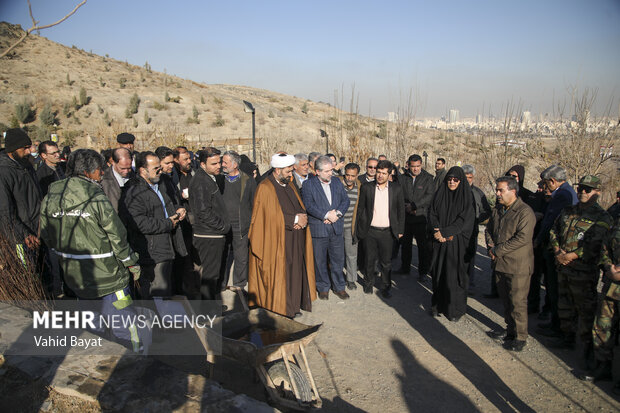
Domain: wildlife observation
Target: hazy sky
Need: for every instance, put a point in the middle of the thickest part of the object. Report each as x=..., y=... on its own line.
x=451, y=53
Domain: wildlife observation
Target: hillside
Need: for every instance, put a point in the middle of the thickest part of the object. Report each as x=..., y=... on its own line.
x=42, y=72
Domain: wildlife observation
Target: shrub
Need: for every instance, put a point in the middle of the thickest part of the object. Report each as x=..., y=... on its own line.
x=135, y=122
x=46, y=117
x=66, y=109
x=202, y=100
x=101, y=82
x=121, y=82
x=69, y=81
x=167, y=97
x=195, y=112
x=192, y=120
x=219, y=121
x=270, y=114
x=24, y=112
x=304, y=109
x=70, y=137
x=219, y=102
x=100, y=109
x=288, y=109
x=107, y=120
x=14, y=122
x=147, y=118
x=84, y=99
x=75, y=104
x=134, y=103
x=159, y=106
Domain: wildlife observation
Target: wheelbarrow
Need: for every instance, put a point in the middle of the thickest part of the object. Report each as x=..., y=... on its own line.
x=274, y=345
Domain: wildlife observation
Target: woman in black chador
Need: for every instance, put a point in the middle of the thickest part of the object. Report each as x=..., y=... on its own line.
x=451, y=219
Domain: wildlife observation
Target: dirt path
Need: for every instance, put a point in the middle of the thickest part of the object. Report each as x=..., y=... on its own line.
x=380, y=355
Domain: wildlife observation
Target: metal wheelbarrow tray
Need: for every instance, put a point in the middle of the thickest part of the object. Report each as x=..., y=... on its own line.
x=276, y=360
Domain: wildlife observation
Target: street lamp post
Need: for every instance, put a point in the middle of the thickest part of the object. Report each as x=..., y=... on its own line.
x=248, y=108
x=326, y=136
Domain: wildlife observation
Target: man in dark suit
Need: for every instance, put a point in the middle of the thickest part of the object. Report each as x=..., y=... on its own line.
x=418, y=190
x=380, y=221
x=115, y=177
x=326, y=202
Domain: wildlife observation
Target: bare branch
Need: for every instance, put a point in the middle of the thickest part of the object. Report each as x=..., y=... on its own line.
x=35, y=26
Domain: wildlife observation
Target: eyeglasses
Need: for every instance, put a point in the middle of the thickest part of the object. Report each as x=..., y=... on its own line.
x=514, y=175
x=371, y=167
x=585, y=189
x=453, y=179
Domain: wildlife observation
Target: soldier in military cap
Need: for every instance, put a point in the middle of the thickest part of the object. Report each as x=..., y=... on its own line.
x=576, y=239
x=605, y=327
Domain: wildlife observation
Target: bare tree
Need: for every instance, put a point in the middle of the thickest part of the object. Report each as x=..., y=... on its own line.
x=35, y=26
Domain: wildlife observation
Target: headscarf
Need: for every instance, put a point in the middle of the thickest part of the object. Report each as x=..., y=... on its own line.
x=449, y=204
x=520, y=170
x=247, y=165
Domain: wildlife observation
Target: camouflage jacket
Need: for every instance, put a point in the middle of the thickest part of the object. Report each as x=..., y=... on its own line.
x=611, y=256
x=581, y=231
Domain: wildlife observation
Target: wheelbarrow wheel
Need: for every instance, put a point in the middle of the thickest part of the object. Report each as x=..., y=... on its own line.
x=279, y=376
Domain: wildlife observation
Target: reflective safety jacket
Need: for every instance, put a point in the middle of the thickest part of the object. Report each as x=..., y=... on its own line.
x=80, y=226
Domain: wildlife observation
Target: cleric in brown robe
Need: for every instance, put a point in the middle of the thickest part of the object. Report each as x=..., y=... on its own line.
x=281, y=265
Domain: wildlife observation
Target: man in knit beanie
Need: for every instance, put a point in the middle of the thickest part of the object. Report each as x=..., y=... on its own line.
x=20, y=196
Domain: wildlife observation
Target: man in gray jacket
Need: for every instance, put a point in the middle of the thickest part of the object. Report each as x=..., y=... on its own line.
x=509, y=242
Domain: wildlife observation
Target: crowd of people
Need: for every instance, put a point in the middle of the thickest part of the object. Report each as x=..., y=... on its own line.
x=121, y=224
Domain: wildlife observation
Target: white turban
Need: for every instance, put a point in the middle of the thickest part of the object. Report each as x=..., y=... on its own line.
x=282, y=160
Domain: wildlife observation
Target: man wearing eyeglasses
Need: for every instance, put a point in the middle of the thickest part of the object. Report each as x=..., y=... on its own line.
x=50, y=170
x=152, y=220
x=576, y=240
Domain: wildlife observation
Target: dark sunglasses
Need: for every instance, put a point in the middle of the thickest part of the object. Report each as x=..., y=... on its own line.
x=371, y=167
x=453, y=179
x=585, y=189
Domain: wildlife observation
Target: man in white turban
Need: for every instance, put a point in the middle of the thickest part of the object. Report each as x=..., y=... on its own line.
x=281, y=265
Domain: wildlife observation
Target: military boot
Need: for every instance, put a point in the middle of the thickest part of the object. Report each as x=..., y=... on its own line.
x=587, y=357
x=602, y=372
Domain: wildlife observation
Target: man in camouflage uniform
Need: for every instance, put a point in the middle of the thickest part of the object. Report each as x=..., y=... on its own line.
x=576, y=238
x=605, y=326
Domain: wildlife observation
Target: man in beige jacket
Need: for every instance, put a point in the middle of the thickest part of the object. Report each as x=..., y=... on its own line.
x=509, y=243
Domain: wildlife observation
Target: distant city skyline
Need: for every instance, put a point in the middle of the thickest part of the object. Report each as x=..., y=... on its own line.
x=475, y=57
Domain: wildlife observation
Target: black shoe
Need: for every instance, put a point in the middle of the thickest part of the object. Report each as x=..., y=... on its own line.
x=455, y=319
x=368, y=289
x=385, y=293
x=351, y=285
x=324, y=295
x=563, y=342
x=297, y=315
x=496, y=295
x=496, y=334
x=602, y=372
x=515, y=345
x=433, y=312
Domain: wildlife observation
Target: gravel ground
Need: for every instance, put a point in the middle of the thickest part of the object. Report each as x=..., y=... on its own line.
x=379, y=355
